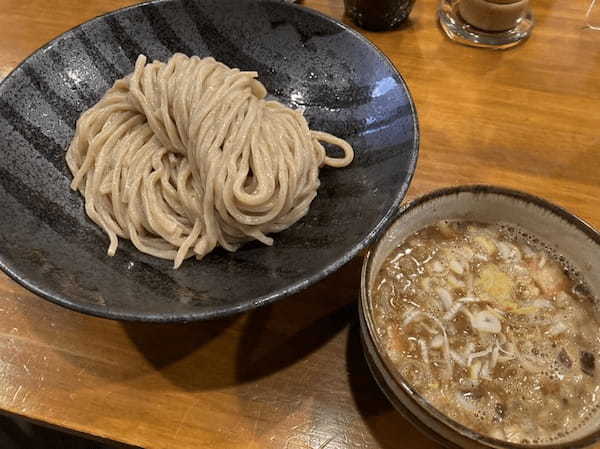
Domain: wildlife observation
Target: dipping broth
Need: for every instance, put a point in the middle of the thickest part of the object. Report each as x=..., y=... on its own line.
x=493, y=329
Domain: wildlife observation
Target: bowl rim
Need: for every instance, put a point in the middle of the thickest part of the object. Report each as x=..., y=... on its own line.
x=290, y=289
x=382, y=361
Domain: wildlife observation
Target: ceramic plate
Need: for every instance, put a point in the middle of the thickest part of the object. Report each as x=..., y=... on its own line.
x=305, y=59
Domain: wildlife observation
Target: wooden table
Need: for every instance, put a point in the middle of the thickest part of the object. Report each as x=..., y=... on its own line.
x=292, y=375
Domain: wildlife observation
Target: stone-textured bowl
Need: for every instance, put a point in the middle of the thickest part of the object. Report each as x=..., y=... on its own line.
x=305, y=59
x=561, y=231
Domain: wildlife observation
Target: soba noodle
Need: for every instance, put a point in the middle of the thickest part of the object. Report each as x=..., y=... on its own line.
x=180, y=157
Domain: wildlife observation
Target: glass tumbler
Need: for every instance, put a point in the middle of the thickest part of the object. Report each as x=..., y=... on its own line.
x=496, y=24
x=378, y=15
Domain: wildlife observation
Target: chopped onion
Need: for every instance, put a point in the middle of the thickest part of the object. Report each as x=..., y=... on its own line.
x=525, y=310
x=508, y=252
x=469, y=283
x=556, y=329
x=455, y=283
x=446, y=229
x=520, y=270
x=467, y=314
x=437, y=266
x=510, y=353
x=468, y=349
x=485, y=321
x=541, y=303
x=445, y=296
x=457, y=358
x=474, y=370
x=426, y=283
x=424, y=350
x=497, y=313
x=451, y=330
x=465, y=252
x=451, y=313
x=437, y=341
x=426, y=328
x=485, y=371
x=446, y=345
x=528, y=252
x=410, y=316
x=447, y=358
x=456, y=267
x=476, y=355
x=494, y=358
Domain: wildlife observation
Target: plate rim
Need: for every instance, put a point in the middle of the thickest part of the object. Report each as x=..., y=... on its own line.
x=281, y=293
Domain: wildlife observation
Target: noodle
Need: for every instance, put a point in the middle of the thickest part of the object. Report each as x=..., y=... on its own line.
x=180, y=157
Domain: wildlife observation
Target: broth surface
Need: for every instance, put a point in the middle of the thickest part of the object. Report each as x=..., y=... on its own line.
x=492, y=329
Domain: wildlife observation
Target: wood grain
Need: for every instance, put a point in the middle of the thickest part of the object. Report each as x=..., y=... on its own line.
x=292, y=375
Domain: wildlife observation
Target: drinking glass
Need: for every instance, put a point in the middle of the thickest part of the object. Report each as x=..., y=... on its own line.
x=490, y=23
x=378, y=15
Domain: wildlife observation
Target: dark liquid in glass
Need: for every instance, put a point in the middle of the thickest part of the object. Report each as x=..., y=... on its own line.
x=378, y=15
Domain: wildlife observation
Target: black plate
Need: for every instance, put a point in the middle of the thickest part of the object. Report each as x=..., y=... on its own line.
x=305, y=60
